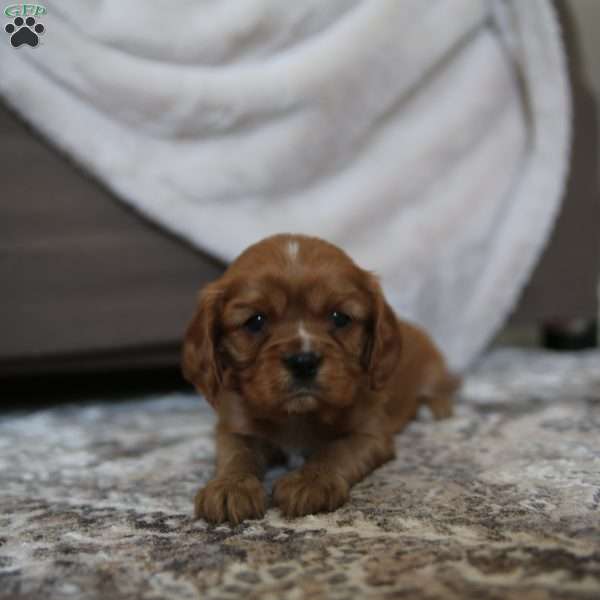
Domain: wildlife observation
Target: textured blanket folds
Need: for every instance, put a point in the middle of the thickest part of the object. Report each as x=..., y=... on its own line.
x=429, y=139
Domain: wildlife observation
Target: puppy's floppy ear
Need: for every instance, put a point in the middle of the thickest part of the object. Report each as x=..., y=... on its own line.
x=385, y=342
x=200, y=359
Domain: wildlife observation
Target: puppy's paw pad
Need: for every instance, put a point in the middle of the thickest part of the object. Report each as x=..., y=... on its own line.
x=231, y=498
x=308, y=491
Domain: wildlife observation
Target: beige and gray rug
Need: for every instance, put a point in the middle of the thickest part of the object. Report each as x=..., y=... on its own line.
x=500, y=502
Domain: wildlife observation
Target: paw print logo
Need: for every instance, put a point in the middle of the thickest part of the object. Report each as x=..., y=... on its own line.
x=24, y=32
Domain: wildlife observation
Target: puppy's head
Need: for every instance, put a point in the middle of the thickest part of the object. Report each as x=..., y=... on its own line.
x=293, y=326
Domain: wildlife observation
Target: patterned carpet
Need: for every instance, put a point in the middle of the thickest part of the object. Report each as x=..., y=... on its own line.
x=502, y=501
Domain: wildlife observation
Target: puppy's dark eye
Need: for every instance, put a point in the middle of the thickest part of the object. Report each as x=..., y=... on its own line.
x=255, y=323
x=339, y=319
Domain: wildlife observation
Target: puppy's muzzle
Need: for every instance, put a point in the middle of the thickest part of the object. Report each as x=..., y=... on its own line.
x=304, y=366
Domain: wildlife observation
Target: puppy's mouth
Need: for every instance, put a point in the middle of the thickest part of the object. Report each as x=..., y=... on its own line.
x=301, y=401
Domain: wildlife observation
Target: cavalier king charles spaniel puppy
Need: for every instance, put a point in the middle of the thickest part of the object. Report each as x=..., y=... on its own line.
x=296, y=348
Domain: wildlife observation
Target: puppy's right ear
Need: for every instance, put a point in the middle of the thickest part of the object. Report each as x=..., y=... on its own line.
x=200, y=361
x=385, y=347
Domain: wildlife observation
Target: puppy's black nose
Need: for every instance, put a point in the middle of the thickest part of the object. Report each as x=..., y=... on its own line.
x=303, y=365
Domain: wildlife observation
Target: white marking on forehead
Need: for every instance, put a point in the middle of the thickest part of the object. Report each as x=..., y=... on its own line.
x=293, y=247
x=304, y=336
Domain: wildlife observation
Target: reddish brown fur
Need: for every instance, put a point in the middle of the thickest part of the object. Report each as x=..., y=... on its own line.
x=374, y=374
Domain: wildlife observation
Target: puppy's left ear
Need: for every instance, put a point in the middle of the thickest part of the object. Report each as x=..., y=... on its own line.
x=385, y=343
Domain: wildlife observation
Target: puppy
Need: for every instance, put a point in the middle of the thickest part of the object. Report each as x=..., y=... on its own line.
x=296, y=348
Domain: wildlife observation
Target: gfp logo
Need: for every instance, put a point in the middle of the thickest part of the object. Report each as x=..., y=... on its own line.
x=25, y=10
x=24, y=29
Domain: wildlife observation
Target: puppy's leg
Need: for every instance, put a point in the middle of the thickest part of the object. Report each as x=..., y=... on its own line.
x=236, y=492
x=440, y=406
x=323, y=483
x=439, y=397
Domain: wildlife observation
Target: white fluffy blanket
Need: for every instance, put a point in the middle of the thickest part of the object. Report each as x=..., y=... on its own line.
x=429, y=139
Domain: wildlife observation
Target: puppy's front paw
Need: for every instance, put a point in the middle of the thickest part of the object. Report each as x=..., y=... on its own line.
x=309, y=491
x=232, y=498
